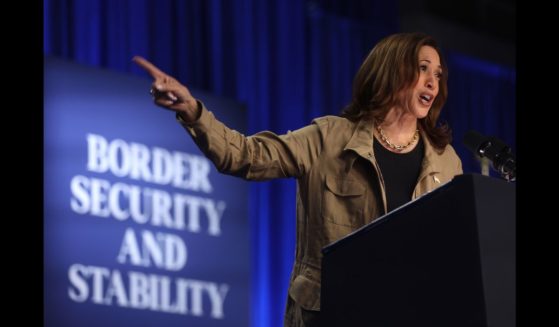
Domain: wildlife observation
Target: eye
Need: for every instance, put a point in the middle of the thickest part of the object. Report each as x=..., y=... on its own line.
x=439, y=74
x=423, y=67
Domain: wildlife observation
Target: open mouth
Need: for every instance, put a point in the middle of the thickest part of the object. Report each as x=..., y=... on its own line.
x=425, y=98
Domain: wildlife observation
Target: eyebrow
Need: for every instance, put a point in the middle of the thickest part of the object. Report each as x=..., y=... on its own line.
x=429, y=61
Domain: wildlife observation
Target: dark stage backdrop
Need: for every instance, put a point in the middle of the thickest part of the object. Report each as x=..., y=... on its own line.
x=288, y=61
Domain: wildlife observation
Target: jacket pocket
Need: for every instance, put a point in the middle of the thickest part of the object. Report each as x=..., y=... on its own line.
x=343, y=201
x=305, y=292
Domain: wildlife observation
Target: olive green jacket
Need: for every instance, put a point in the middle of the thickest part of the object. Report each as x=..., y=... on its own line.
x=339, y=186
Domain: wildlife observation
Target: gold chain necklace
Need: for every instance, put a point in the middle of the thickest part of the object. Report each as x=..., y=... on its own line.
x=398, y=148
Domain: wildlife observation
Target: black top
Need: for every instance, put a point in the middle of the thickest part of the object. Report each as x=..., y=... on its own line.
x=400, y=172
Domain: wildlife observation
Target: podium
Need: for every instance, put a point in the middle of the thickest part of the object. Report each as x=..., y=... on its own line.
x=445, y=259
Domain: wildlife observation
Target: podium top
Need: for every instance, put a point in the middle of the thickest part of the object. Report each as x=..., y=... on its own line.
x=465, y=183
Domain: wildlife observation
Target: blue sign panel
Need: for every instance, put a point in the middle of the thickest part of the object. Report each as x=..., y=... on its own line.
x=139, y=227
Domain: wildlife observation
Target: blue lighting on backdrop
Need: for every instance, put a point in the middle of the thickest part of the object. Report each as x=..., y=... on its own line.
x=140, y=229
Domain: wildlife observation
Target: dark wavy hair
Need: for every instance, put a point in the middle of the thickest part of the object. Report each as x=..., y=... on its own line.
x=390, y=68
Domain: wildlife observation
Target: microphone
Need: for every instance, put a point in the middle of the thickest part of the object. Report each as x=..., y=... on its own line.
x=493, y=149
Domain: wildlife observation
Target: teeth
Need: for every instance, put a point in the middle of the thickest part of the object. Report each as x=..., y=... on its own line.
x=425, y=99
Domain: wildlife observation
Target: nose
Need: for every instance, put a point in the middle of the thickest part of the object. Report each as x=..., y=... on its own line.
x=430, y=82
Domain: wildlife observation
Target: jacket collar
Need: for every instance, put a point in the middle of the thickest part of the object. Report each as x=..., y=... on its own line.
x=361, y=141
x=432, y=160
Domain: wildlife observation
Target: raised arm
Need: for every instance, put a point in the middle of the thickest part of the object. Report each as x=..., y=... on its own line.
x=262, y=156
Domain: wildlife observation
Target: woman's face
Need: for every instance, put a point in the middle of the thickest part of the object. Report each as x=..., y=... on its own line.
x=426, y=89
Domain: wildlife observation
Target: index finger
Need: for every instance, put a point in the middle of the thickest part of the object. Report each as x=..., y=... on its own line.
x=148, y=66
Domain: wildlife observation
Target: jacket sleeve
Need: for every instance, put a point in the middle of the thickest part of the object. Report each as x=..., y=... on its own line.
x=262, y=156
